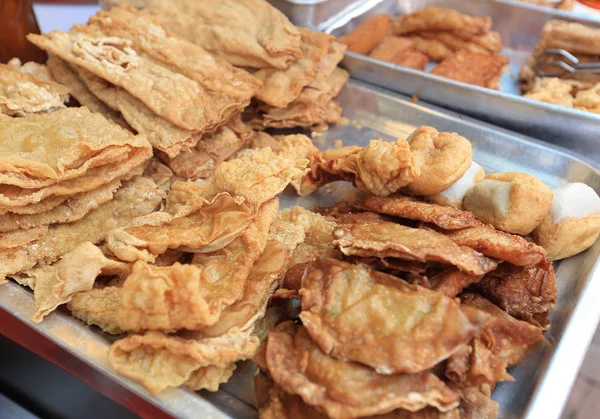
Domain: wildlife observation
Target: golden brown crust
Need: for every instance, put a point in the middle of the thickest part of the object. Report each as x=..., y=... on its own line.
x=569, y=237
x=439, y=19
x=476, y=68
x=368, y=34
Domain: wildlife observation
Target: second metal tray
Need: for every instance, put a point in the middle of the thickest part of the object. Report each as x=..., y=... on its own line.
x=542, y=381
x=520, y=28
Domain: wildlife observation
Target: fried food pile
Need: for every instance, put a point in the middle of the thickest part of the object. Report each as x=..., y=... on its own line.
x=465, y=47
x=571, y=90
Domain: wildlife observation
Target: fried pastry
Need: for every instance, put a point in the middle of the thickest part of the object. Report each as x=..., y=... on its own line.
x=380, y=337
x=368, y=34
x=39, y=71
x=390, y=46
x=325, y=69
x=512, y=202
x=442, y=157
x=439, y=19
x=588, y=99
x=573, y=223
x=570, y=36
x=411, y=58
x=476, y=68
x=432, y=48
x=298, y=366
x=551, y=90
x=452, y=281
x=454, y=194
x=489, y=42
x=98, y=307
x=14, y=239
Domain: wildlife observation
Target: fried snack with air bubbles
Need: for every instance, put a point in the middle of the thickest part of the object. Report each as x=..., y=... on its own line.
x=259, y=176
x=282, y=86
x=160, y=174
x=477, y=68
x=527, y=293
x=23, y=94
x=211, y=150
x=381, y=168
x=440, y=19
x=98, y=306
x=551, y=90
x=386, y=239
x=497, y=244
x=512, y=202
x=246, y=33
x=368, y=34
x=297, y=365
x=573, y=223
x=160, y=361
x=476, y=402
x=588, y=99
x=414, y=209
x=380, y=336
x=505, y=336
x=454, y=194
x=66, y=75
x=135, y=198
x=442, y=158
x=76, y=271
x=193, y=296
x=325, y=70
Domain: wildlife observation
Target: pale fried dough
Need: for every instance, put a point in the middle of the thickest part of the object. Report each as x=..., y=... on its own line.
x=299, y=367
x=476, y=68
x=385, y=239
x=37, y=70
x=160, y=174
x=439, y=19
x=325, y=68
x=368, y=34
x=98, y=307
x=18, y=238
x=551, y=90
x=244, y=32
x=334, y=292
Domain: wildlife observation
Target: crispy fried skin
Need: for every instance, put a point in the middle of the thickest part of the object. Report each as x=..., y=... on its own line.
x=439, y=19
x=98, y=307
x=401, y=329
x=298, y=366
x=452, y=281
x=476, y=68
x=573, y=37
x=432, y=48
x=411, y=58
x=474, y=364
x=368, y=34
x=390, y=46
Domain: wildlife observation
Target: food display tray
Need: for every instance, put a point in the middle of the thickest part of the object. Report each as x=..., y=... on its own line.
x=542, y=381
x=314, y=14
x=520, y=28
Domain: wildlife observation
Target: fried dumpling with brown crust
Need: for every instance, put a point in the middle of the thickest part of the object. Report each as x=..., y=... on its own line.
x=298, y=366
x=386, y=239
x=358, y=314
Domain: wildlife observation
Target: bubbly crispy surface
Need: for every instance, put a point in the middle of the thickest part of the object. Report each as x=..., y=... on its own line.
x=358, y=314
x=18, y=238
x=476, y=68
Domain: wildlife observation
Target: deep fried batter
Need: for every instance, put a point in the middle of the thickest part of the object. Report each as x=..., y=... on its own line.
x=474, y=364
x=368, y=34
x=452, y=281
x=439, y=19
x=391, y=46
x=98, y=307
x=476, y=68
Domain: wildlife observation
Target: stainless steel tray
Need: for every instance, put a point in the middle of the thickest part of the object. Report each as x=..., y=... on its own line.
x=520, y=28
x=543, y=380
x=314, y=14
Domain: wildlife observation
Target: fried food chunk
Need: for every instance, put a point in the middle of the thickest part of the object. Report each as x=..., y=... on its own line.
x=298, y=366
x=386, y=239
x=476, y=68
x=14, y=239
x=368, y=34
x=160, y=361
x=442, y=157
x=451, y=282
x=588, y=99
x=411, y=58
x=505, y=336
x=527, y=293
x=439, y=19
x=413, y=330
x=390, y=46
x=551, y=90
x=22, y=94
x=474, y=364
x=414, y=209
x=244, y=32
x=193, y=296
x=573, y=37
x=76, y=271
x=98, y=307
x=489, y=42
x=432, y=48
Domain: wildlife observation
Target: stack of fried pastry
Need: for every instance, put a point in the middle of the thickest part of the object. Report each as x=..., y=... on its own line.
x=465, y=46
x=572, y=90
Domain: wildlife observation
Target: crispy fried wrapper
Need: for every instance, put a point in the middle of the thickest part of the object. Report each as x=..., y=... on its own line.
x=98, y=306
x=386, y=239
x=193, y=296
x=298, y=366
x=160, y=361
x=23, y=94
x=452, y=281
x=76, y=271
x=440, y=19
x=527, y=293
x=18, y=238
x=358, y=314
x=415, y=209
x=135, y=198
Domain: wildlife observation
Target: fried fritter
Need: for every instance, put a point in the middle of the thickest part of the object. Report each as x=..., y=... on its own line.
x=400, y=329
x=390, y=46
x=368, y=34
x=98, y=307
x=452, y=281
x=298, y=366
x=490, y=42
x=476, y=68
x=411, y=58
x=439, y=19
x=570, y=36
x=432, y=48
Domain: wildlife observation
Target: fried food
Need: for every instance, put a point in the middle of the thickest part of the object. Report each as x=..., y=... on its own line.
x=18, y=238
x=160, y=174
x=439, y=19
x=411, y=58
x=245, y=33
x=527, y=293
x=368, y=34
x=512, y=202
x=132, y=52
x=160, y=361
x=573, y=37
x=98, y=306
x=194, y=296
x=453, y=195
x=411, y=332
x=489, y=42
x=588, y=99
x=414, y=209
x=22, y=94
x=135, y=198
x=573, y=223
x=442, y=157
x=476, y=68
x=76, y=271
x=551, y=90
x=386, y=239
x=298, y=366
x=282, y=87
x=432, y=48
x=452, y=281
x=325, y=69
x=39, y=71
x=390, y=46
